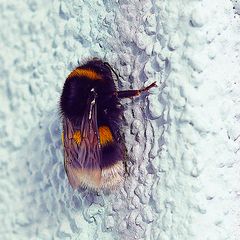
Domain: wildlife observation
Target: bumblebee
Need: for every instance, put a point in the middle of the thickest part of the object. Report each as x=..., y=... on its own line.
x=91, y=112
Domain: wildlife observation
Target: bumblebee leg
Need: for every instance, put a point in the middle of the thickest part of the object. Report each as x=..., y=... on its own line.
x=126, y=168
x=134, y=93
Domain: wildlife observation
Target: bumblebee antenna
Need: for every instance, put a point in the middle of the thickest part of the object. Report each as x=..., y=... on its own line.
x=110, y=67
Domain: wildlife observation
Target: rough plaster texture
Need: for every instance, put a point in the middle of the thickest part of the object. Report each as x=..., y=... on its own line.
x=180, y=138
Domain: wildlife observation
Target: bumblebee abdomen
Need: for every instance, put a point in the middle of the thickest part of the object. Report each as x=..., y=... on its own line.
x=111, y=149
x=112, y=159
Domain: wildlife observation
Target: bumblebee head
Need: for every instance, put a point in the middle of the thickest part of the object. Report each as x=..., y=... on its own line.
x=100, y=67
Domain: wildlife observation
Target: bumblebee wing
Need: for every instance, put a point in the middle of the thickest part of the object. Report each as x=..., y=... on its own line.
x=82, y=150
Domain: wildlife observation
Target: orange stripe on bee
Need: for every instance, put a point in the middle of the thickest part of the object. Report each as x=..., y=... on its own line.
x=77, y=137
x=105, y=135
x=89, y=73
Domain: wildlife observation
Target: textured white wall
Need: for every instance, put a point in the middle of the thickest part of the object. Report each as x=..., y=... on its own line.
x=179, y=138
